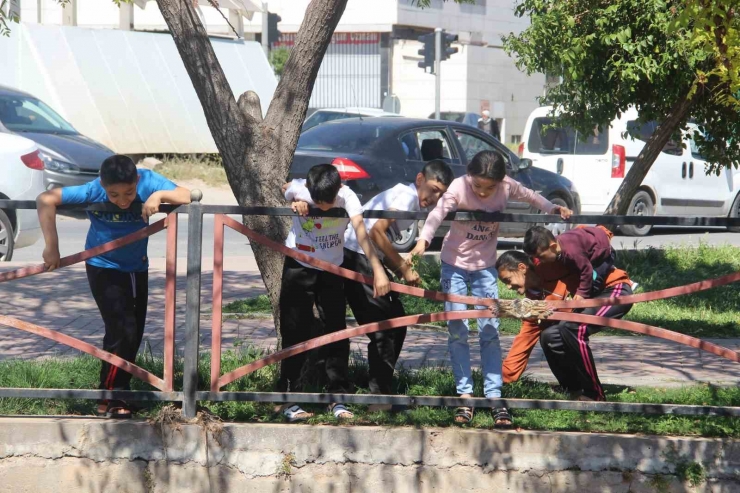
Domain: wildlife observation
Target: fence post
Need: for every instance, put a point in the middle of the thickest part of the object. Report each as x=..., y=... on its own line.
x=192, y=303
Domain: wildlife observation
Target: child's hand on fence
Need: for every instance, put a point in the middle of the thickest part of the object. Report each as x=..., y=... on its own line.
x=51, y=256
x=381, y=285
x=300, y=208
x=564, y=212
x=150, y=207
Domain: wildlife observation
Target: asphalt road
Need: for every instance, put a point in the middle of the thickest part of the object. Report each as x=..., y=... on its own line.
x=72, y=234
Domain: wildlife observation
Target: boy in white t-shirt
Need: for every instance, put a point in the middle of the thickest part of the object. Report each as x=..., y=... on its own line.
x=385, y=346
x=303, y=286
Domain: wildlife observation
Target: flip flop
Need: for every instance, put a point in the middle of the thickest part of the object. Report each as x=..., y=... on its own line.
x=294, y=414
x=118, y=410
x=340, y=412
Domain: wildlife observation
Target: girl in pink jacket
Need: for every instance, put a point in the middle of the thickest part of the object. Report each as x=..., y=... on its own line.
x=468, y=265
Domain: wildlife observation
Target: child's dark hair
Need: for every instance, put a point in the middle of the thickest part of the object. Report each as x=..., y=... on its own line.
x=510, y=260
x=537, y=238
x=488, y=164
x=438, y=170
x=118, y=169
x=323, y=183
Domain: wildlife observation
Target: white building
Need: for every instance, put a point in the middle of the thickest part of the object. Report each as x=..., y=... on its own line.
x=374, y=53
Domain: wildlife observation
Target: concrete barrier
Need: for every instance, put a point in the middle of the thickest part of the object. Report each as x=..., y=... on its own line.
x=93, y=455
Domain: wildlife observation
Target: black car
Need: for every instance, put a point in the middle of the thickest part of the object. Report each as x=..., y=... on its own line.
x=374, y=154
x=69, y=157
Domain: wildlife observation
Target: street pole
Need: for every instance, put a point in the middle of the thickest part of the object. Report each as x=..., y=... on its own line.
x=437, y=66
x=265, y=14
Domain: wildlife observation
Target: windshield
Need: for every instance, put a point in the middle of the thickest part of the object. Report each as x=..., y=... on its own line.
x=350, y=138
x=23, y=114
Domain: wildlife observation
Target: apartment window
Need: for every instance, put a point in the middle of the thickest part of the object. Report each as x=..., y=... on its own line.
x=516, y=139
x=479, y=7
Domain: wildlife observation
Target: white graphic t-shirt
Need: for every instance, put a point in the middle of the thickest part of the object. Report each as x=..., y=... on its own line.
x=321, y=237
x=400, y=198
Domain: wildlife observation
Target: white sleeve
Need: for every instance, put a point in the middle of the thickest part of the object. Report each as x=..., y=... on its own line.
x=350, y=202
x=405, y=201
x=297, y=191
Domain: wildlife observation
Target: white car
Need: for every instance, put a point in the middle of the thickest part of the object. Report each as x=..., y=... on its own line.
x=675, y=185
x=21, y=178
x=328, y=114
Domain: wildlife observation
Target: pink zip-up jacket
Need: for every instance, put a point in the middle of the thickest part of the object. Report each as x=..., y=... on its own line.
x=471, y=245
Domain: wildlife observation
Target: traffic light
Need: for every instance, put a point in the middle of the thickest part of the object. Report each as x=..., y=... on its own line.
x=273, y=35
x=427, y=51
x=447, y=40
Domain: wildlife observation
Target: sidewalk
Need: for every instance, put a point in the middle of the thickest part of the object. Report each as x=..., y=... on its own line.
x=61, y=301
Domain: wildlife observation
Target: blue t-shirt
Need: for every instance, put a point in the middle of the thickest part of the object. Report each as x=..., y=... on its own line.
x=108, y=226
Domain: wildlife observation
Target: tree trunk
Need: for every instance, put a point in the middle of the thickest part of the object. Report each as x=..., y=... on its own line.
x=631, y=183
x=256, y=153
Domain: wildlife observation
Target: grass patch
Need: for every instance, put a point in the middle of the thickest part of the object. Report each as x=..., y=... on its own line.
x=712, y=313
x=206, y=168
x=82, y=373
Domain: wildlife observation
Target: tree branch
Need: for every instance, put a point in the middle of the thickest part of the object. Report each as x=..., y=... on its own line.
x=210, y=83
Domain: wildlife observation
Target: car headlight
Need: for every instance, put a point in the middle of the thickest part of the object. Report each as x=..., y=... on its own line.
x=58, y=165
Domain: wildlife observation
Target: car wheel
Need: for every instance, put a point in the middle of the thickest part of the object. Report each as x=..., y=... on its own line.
x=640, y=205
x=408, y=238
x=735, y=213
x=557, y=228
x=7, y=241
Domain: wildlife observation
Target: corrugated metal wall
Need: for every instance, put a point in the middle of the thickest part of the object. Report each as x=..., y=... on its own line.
x=350, y=74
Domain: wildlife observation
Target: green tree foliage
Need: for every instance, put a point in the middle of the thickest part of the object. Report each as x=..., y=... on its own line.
x=278, y=57
x=672, y=60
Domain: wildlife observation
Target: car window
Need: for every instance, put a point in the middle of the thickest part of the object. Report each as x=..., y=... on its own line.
x=347, y=137
x=22, y=114
x=695, y=153
x=425, y=145
x=644, y=130
x=594, y=144
x=472, y=145
x=546, y=138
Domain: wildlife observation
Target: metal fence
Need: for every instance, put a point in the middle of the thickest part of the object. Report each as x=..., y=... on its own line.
x=191, y=394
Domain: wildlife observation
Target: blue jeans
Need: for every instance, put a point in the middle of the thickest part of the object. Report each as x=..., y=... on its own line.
x=482, y=284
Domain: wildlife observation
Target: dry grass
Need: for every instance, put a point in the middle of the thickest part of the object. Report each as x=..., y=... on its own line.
x=206, y=168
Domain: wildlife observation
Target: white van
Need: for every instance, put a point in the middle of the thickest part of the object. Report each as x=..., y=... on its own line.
x=675, y=185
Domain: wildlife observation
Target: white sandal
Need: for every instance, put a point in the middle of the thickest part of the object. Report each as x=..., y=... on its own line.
x=340, y=412
x=295, y=413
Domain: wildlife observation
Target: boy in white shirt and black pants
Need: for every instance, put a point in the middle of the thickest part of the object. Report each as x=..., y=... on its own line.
x=303, y=286
x=385, y=346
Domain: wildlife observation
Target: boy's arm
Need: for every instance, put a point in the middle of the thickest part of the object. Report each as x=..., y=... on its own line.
x=178, y=196
x=379, y=236
x=381, y=284
x=524, y=194
x=46, y=205
x=585, y=271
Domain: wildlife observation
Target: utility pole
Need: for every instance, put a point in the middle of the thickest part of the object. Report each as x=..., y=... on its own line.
x=437, y=67
x=265, y=42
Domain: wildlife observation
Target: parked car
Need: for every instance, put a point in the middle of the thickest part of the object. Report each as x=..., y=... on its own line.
x=330, y=114
x=69, y=157
x=675, y=185
x=468, y=118
x=374, y=155
x=21, y=178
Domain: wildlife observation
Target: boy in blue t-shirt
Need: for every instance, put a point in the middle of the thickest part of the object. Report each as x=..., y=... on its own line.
x=119, y=280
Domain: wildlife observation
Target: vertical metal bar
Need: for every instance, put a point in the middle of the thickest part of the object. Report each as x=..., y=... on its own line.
x=170, y=296
x=218, y=277
x=437, y=66
x=192, y=302
x=265, y=29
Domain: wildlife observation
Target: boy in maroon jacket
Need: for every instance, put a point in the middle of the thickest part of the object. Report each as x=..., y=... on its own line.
x=586, y=251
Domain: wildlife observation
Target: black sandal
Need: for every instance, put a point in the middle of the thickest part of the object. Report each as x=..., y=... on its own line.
x=118, y=410
x=463, y=415
x=500, y=416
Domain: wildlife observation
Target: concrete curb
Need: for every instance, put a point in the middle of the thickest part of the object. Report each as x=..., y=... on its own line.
x=333, y=458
